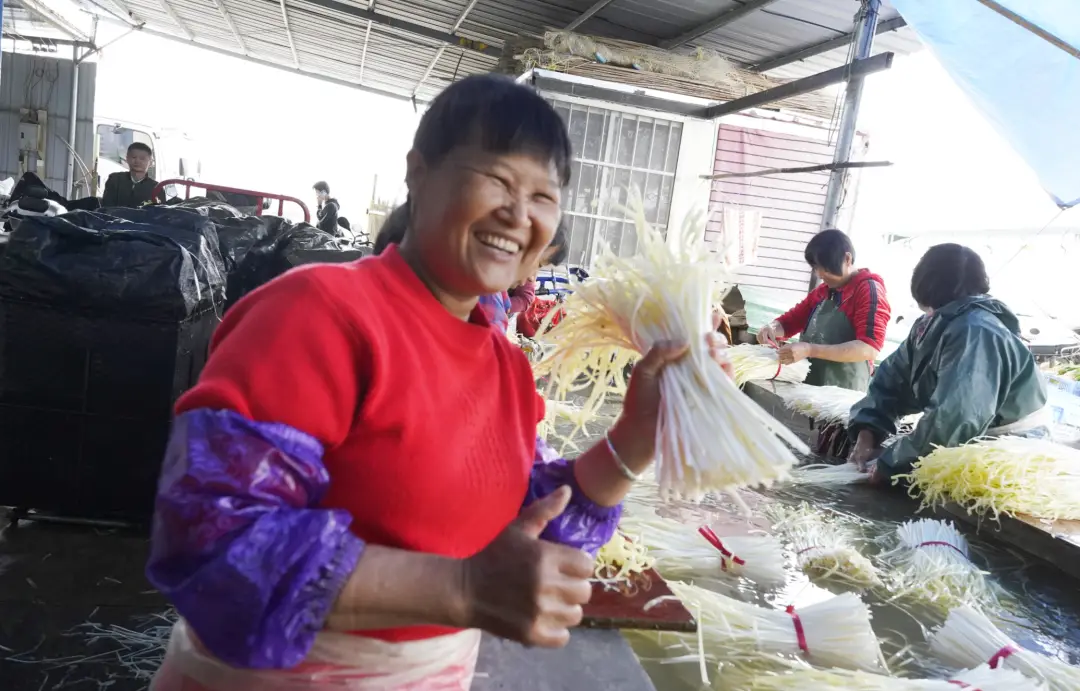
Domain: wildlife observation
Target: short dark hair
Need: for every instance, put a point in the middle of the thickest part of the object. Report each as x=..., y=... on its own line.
x=560, y=242
x=393, y=229
x=499, y=115
x=948, y=272
x=826, y=251
x=321, y=186
x=139, y=146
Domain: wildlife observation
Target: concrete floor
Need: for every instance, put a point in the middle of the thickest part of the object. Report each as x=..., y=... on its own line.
x=54, y=579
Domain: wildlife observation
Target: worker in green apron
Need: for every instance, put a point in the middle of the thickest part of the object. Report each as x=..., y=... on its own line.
x=842, y=321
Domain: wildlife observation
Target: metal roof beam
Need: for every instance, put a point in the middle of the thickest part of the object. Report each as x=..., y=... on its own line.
x=723, y=19
x=232, y=25
x=47, y=41
x=54, y=19
x=442, y=49
x=408, y=27
x=123, y=12
x=798, y=87
x=176, y=19
x=587, y=14
x=633, y=99
x=824, y=47
x=1033, y=28
x=363, y=54
x=367, y=40
x=275, y=65
x=288, y=35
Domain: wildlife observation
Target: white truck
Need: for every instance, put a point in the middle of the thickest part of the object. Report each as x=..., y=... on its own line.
x=176, y=154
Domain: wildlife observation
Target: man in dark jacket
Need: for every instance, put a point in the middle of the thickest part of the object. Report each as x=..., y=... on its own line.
x=328, y=211
x=134, y=187
x=963, y=366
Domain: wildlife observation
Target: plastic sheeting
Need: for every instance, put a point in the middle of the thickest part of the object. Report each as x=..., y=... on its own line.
x=1028, y=88
x=153, y=263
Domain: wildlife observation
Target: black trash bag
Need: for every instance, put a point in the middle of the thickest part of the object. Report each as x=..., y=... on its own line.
x=154, y=263
x=213, y=208
x=237, y=236
x=30, y=184
x=281, y=249
x=236, y=232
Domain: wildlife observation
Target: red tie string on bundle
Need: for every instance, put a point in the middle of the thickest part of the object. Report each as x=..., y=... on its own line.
x=682, y=552
x=1001, y=655
x=800, y=635
x=969, y=638
x=762, y=363
x=942, y=543
x=942, y=578
x=823, y=547
x=832, y=633
x=707, y=533
x=779, y=366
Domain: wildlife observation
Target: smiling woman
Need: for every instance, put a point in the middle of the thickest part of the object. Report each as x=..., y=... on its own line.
x=355, y=487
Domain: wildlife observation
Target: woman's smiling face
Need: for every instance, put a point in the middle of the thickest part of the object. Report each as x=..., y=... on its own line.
x=480, y=218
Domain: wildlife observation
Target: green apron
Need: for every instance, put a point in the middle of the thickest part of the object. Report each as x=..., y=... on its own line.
x=829, y=326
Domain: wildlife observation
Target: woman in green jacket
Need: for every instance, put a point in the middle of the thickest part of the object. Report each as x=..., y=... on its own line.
x=963, y=366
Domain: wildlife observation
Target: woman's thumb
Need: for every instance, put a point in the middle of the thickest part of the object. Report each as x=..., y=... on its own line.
x=535, y=517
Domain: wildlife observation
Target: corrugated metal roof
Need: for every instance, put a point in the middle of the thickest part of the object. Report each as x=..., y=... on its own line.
x=345, y=47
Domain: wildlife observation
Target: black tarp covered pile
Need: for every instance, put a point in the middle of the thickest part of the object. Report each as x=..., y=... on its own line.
x=152, y=263
x=281, y=247
x=156, y=262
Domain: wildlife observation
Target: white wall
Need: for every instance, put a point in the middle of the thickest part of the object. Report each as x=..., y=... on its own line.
x=696, y=156
x=44, y=82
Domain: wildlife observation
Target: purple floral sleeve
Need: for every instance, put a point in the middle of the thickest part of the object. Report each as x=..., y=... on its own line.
x=584, y=524
x=238, y=546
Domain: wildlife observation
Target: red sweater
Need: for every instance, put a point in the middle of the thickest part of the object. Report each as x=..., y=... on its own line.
x=428, y=421
x=863, y=300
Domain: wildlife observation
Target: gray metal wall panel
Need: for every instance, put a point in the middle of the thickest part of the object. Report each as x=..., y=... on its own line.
x=791, y=205
x=38, y=82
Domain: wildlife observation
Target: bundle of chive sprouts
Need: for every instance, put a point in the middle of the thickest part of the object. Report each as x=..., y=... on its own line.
x=832, y=633
x=822, y=403
x=826, y=404
x=824, y=548
x=710, y=436
x=1007, y=475
x=981, y=678
x=829, y=475
x=761, y=363
x=931, y=564
x=683, y=552
x=969, y=638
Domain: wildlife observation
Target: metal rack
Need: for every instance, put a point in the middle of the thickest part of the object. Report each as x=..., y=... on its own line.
x=260, y=197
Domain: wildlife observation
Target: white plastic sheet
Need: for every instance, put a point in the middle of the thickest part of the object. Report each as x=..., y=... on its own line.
x=337, y=662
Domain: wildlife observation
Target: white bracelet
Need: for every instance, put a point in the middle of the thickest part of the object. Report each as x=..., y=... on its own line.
x=626, y=472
